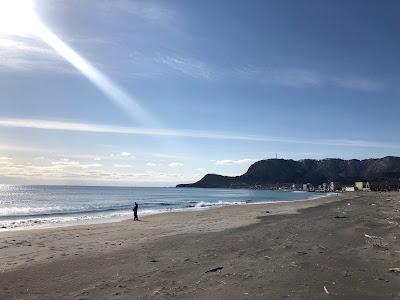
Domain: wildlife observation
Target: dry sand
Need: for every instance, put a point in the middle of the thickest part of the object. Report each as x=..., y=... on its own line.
x=299, y=250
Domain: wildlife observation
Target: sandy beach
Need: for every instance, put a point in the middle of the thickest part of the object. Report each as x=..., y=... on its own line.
x=341, y=246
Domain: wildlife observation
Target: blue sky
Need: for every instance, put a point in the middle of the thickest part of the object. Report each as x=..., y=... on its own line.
x=178, y=89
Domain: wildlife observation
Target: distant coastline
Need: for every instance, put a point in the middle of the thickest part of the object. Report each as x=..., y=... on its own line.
x=324, y=175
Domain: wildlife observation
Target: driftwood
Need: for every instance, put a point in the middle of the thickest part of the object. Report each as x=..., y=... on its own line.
x=394, y=270
x=340, y=217
x=214, y=270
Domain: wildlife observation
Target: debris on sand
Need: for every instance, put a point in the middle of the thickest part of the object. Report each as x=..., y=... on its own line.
x=381, y=246
x=214, y=270
x=340, y=217
x=372, y=236
x=394, y=270
x=376, y=241
x=326, y=290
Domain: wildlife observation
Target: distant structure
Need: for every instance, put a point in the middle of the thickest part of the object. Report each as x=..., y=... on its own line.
x=362, y=186
x=349, y=189
x=333, y=186
x=308, y=187
x=296, y=186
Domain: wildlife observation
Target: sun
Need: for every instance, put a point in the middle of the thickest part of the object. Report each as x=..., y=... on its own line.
x=17, y=17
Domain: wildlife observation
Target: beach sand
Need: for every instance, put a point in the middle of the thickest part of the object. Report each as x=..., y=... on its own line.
x=299, y=250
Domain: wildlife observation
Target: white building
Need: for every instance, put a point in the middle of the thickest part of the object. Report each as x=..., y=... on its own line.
x=362, y=186
x=349, y=189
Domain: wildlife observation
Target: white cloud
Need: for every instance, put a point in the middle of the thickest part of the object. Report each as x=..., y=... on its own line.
x=150, y=164
x=122, y=155
x=229, y=162
x=74, y=164
x=105, y=128
x=5, y=158
x=176, y=164
x=200, y=169
x=122, y=166
x=70, y=171
x=5, y=161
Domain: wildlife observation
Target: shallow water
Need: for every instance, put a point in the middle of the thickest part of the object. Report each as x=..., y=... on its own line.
x=24, y=206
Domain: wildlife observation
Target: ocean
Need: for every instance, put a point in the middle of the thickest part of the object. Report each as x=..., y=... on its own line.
x=25, y=207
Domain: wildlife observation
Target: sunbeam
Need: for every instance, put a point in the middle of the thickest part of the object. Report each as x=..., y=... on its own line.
x=18, y=17
x=105, y=84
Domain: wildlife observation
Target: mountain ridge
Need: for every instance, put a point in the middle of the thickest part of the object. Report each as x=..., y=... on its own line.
x=271, y=173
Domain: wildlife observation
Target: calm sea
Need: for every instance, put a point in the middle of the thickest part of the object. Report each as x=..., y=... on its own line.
x=47, y=206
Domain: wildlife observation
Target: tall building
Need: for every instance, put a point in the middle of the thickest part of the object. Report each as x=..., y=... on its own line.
x=333, y=186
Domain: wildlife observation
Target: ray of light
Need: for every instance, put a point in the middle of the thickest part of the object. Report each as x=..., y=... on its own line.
x=105, y=84
x=18, y=17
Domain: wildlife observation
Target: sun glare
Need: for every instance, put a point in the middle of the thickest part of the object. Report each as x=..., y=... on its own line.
x=17, y=17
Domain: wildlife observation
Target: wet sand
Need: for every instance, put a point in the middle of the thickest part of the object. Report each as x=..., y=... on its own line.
x=339, y=246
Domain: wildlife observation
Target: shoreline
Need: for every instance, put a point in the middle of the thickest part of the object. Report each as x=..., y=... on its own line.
x=21, y=247
x=298, y=250
x=110, y=220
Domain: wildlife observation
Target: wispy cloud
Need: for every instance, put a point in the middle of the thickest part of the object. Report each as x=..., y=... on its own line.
x=176, y=164
x=229, y=162
x=122, y=155
x=144, y=10
x=107, y=129
x=74, y=171
x=285, y=77
x=26, y=54
x=304, y=78
x=150, y=164
x=122, y=166
x=74, y=164
x=358, y=83
x=188, y=66
x=150, y=65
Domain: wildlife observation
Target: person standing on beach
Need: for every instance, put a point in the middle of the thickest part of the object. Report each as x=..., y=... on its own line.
x=135, y=208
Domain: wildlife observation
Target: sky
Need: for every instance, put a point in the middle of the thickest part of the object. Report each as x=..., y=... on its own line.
x=155, y=93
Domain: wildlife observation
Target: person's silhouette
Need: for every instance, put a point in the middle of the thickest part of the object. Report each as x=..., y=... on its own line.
x=135, y=209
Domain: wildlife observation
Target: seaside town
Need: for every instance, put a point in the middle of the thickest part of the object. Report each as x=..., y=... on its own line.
x=332, y=186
